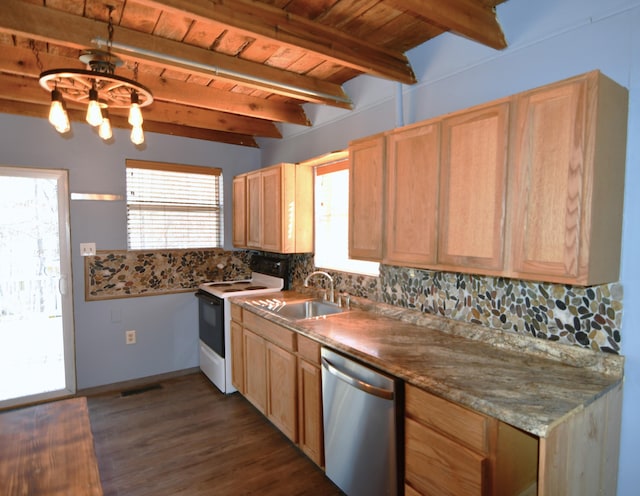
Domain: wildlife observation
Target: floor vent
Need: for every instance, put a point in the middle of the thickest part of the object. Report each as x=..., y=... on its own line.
x=140, y=390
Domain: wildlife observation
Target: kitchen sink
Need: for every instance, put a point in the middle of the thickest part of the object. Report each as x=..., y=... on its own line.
x=307, y=309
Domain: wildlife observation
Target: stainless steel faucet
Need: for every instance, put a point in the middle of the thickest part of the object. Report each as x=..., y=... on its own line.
x=321, y=273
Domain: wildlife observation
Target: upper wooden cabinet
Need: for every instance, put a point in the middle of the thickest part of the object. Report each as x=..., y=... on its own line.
x=473, y=189
x=529, y=187
x=239, y=207
x=412, y=168
x=366, y=198
x=279, y=209
x=569, y=148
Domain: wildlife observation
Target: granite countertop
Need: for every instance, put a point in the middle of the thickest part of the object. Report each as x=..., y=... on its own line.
x=527, y=382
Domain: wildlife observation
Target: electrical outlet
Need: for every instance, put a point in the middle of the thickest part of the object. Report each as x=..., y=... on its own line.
x=87, y=249
x=130, y=337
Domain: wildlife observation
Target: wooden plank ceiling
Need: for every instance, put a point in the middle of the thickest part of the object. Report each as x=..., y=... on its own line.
x=229, y=70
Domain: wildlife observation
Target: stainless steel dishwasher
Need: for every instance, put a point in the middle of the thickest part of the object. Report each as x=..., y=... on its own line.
x=360, y=427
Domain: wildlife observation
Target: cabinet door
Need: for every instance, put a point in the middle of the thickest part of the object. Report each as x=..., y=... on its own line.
x=255, y=370
x=282, y=386
x=310, y=411
x=366, y=198
x=254, y=210
x=239, y=207
x=237, y=357
x=412, y=196
x=435, y=464
x=473, y=189
x=548, y=165
x=272, y=220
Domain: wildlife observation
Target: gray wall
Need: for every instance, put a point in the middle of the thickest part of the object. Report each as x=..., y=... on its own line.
x=167, y=325
x=548, y=40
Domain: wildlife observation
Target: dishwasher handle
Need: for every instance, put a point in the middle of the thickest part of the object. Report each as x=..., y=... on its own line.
x=386, y=394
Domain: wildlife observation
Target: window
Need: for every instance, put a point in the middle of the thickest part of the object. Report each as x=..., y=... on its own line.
x=173, y=206
x=332, y=221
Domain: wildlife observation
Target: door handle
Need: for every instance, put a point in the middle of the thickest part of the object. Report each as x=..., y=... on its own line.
x=386, y=394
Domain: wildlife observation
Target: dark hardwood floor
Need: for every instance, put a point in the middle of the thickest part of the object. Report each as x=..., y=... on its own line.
x=187, y=438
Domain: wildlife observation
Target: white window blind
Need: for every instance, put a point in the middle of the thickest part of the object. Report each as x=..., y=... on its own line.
x=173, y=206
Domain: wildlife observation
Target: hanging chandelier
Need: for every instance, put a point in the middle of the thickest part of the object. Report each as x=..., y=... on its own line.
x=99, y=88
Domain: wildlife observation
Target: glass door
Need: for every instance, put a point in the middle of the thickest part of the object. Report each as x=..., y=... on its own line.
x=37, y=356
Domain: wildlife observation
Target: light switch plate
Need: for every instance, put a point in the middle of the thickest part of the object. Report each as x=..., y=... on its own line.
x=87, y=249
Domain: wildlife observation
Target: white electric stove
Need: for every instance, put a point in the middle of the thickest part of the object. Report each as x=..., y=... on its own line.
x=269, y=275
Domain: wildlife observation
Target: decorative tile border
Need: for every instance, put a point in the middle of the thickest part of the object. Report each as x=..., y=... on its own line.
x=588, y=317
x=122, y=274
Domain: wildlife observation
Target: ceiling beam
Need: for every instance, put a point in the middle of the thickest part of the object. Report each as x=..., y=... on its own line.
x=22, y=62
x=468, y=18
x=50, y=25
x=41, y=111
x=25, y=89
x=265, y=21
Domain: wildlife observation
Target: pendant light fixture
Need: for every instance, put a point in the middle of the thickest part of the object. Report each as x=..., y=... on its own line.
x=99, y=88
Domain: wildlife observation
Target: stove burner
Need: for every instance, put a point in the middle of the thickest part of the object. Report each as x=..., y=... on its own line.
x=232, y=290
x=255, y=287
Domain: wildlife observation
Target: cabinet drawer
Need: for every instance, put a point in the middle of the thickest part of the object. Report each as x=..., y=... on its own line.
x=435, y=464
x=469, y=428
x=309, y=349
x=270, y=331
x=236, y=312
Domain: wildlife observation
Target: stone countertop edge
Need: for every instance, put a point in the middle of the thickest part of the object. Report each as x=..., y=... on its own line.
x=569, y=378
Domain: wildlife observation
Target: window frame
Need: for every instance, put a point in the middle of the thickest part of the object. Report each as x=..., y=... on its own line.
x=335, y=162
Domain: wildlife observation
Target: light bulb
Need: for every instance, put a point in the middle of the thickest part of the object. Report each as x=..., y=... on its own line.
x=104, y=131
x=94, y=112
x=57, y=114
x=137, y=135
x=135, y=116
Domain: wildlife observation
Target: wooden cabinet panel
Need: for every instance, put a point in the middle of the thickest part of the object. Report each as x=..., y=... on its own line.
x=473, y=189
x=255, y=370
x=281, y=386
x=254, y=210
x=413, y=163
x=469, y=428
x=279, y=208
x=273, y=332
x=438, y=465
x=568, y=181
x=308, y=349
x=272, y=213
x=239, y=211
x=551, y=157
x=310, y=428
x=366, y=198
x=237, y=356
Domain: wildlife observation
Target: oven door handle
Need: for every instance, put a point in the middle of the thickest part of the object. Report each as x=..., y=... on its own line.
x=208, y=298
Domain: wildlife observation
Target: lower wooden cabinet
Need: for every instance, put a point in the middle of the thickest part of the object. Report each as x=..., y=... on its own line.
x=237, y=356
x=278, y=371
x=310, y=429
x=255, y=371
x=450, y=450
x=281, y=390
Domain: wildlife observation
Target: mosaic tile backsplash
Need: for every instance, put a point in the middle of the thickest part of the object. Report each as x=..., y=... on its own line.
x=589, y=317
x=122, y=274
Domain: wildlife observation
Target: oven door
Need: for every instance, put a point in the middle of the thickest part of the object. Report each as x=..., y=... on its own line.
x=211, y=321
